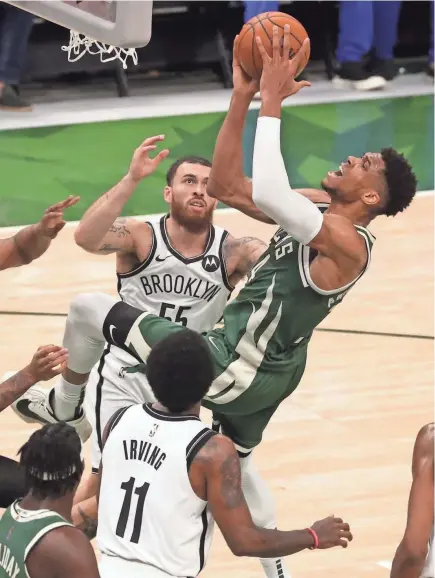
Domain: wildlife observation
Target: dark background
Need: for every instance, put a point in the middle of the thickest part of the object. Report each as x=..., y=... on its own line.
x=193, y=37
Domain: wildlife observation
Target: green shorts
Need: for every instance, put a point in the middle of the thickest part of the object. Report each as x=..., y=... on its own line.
x=242, y=398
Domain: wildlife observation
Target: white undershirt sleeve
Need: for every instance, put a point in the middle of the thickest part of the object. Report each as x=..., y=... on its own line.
x=271, y=190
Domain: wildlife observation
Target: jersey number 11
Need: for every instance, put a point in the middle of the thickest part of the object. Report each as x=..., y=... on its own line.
x=141, y=492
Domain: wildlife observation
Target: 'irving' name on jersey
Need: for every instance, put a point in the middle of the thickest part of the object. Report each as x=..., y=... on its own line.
x=180, y=285
x=144, y=452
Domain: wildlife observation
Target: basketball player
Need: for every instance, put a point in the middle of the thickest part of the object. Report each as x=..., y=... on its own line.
x=184, y=475
x=31, y=242
x=320, y=251
x=182, y=268
x=415, y=556
x=37, y=538
x=22, y=248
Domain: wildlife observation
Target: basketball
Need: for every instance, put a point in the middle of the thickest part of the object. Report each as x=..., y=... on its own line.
x=262, y=26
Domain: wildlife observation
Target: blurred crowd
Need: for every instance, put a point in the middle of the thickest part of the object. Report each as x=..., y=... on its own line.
x=365, y=27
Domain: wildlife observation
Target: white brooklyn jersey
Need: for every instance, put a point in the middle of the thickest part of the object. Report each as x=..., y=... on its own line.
x=148, y=511
x=190, y=291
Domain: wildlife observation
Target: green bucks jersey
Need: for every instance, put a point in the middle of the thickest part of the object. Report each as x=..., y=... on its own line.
x=20, y=531
x=281, y=305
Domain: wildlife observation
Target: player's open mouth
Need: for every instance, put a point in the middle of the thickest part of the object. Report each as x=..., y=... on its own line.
x=197, y=204
x=338, y=173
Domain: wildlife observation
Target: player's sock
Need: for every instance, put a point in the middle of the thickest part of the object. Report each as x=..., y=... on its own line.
x=262, y=508
x=67, y=399
x=84, y=341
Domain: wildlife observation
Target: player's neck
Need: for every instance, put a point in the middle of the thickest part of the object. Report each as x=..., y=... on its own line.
x=193, y=410
x=188, y=243
x=62, y=505
x=351, y=212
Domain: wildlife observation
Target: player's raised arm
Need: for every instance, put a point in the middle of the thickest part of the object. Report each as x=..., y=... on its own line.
x=411, y=554
x=219, y=465
x=31, y=242
x=227, y=181
x=101, y=229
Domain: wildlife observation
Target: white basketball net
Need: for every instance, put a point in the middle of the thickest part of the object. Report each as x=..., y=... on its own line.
x=80, y=44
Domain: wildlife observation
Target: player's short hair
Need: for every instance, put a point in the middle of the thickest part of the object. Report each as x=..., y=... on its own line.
x=194, y=160
x=401, y=182
x=180, y=370
x=52, y=461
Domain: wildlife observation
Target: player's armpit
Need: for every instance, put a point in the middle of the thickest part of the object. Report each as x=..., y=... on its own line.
x=241, y=255
x=412, y=551
x=63, y=553
x=338, y=239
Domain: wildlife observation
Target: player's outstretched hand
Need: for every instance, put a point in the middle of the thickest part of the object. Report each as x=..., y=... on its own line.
x=241, y=81
x=142, y=165
x=48, y=361
x=279, y=71
x=332, y=532
x=52, y=221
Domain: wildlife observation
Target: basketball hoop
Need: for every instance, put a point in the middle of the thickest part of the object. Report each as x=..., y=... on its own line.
x=109, y=28
x=80, y=44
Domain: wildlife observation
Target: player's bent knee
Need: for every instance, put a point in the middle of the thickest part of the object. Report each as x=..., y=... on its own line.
x=88, y=307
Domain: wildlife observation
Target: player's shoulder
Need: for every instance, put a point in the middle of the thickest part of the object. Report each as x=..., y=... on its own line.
x=216, y=450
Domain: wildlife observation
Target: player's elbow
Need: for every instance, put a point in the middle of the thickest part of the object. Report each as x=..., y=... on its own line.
x=409, y=555
x=81, y=239
x=214, y=189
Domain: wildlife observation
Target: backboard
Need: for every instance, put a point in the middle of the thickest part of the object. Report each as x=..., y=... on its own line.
x=126, y=23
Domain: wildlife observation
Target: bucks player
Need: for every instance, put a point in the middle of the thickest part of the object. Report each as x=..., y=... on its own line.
x=184, y=475
x=415, y=555
x=37, y=538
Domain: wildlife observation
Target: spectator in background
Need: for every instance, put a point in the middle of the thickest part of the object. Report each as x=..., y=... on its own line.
x=257, y=7
x=15, y=27
x=366, y=26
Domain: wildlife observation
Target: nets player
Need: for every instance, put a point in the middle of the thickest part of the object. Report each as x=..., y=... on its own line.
x=37, y=538
x=165, y=476
x=415, y=556
x=29, y=244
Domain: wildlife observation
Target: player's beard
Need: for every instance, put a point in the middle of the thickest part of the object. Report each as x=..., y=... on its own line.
x=191, y=222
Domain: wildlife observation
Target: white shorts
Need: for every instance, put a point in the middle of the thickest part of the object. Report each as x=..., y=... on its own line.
x=113, y=567
x=110, y=388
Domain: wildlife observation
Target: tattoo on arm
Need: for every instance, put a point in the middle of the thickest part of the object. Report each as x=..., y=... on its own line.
x=88, y=526
x=231, y=491
x=245, y=251
x=13, y=388
x=119, y=230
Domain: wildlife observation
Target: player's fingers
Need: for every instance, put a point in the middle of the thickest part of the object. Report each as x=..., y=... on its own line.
x=147, y=149
x=235, y=49
x=286, y=43
x=344, y=526
x=57, y=361
x=59, y=205
x=338, y=520
x=152, y=140
x=263, y=53
x=343, y=543
x=44, y=350
x=72, y=201
x=301, y=53
x=347, y=535
x=276, y=49
x=161, y=156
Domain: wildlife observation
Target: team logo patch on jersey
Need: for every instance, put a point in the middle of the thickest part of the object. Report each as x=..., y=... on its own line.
x=211, y=263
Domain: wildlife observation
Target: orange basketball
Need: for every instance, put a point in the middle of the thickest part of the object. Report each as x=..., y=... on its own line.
x=262, y=26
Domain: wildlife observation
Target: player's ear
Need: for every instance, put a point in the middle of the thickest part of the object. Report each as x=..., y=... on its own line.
x=167, y=194
x=371, y=198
